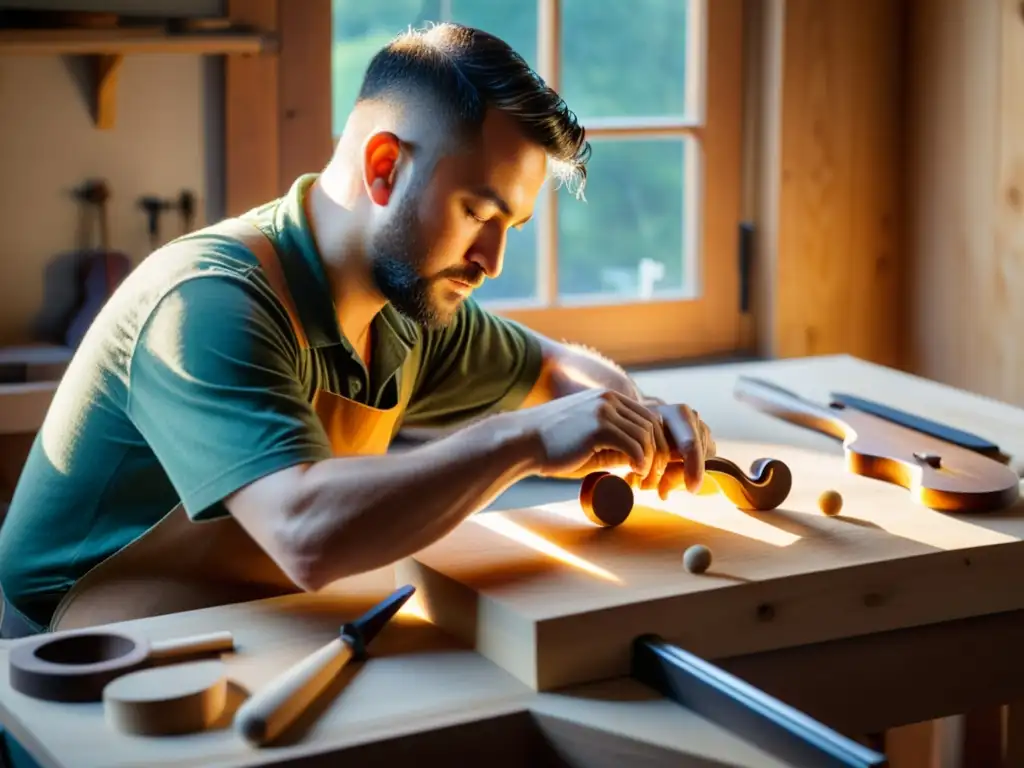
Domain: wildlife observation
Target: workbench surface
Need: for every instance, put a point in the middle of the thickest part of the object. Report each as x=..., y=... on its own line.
x=421, y=679
x=417, y=680
x=557, y=600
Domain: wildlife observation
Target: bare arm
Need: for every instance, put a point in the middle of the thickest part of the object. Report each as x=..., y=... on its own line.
x=342, y=516
x=569, y=368
x=566, y=369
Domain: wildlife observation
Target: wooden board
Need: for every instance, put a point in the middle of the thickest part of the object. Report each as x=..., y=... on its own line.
x=420, y=693
x=557, y=601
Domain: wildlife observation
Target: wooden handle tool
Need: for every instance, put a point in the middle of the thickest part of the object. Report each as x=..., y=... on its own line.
x=211, y=642
x=268, y=712
x=76, y=665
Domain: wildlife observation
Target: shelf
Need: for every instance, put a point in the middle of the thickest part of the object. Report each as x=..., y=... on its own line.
x=107, y=47
x=122, y=42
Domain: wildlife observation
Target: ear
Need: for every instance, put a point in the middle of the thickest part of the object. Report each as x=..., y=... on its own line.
x=380, y=161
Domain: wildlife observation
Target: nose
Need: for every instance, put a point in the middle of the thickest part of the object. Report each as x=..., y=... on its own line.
x=488, y=252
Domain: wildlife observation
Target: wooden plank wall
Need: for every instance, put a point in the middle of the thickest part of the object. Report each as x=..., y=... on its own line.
x=251, y=116
x=830, y=178
x=966, y=221
x=277, y=121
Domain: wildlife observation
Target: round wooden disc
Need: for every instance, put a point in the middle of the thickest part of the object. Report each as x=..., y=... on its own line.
x=606, y=499
x=73, y=666
x=167, y=700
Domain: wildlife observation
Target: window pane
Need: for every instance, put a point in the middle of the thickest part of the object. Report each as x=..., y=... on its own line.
x=363, y=27
x=628, y=239
x=514, y=21
x=624, y=59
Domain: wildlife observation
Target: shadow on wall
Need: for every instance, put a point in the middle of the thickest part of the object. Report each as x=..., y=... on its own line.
x=62, y=295
x=66, y=280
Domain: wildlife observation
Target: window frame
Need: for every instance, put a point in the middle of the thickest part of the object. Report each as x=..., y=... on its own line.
x=260, y=165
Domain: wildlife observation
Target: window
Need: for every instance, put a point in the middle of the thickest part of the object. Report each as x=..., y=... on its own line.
x=646, y=268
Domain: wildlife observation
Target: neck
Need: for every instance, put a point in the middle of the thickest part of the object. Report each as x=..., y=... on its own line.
x=339, y=240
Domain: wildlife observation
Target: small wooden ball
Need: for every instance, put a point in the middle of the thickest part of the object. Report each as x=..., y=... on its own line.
x=697, y=559
x=606, y=499
x=830, y=502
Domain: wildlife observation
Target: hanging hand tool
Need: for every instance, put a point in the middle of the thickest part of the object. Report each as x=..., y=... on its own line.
x=154, y=206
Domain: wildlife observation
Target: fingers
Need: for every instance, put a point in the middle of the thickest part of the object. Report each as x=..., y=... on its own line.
x=619, y=433
x=648, y=436
x=674, y=477
x=688, y=436
x=656, y=445
x=639, y=444
x=710, y=449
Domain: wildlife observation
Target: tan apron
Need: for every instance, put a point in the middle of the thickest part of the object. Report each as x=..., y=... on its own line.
x=182, y=565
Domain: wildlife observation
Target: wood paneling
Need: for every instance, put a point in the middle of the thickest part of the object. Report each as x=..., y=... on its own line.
x=306, y=137
x=831, y=171
x=967, y=191
x=252, y=116
x=278, y=107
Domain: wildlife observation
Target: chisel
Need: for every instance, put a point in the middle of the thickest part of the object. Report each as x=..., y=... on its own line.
x=269, y=711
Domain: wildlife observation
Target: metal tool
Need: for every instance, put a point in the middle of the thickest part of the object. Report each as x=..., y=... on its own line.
x=750, y=713
x=268, y=712
x=945, y=432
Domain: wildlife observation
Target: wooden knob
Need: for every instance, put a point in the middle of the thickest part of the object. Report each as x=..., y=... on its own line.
x=171, y=700
x=606, y=499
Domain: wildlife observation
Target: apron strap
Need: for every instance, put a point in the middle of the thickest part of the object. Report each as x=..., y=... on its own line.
x=257, y=241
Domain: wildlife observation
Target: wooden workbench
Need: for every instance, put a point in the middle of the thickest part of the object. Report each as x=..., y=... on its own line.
x=934, y=637
x=962, y=657
x=421, y=695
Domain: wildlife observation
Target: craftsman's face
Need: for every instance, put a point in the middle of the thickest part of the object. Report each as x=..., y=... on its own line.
x=445, y=235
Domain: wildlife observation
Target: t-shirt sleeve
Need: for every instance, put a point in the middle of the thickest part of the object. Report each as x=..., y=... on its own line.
x=214, y=391
x=480, y=363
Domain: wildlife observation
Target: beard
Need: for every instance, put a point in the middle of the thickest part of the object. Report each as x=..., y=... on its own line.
x=397, y=257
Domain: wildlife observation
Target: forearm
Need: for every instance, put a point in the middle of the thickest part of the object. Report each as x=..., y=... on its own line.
x=584, y=368
x=570, y=368
x=360, y=513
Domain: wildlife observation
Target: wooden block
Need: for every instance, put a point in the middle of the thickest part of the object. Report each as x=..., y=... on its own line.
x=557, y=600
x=166, y=701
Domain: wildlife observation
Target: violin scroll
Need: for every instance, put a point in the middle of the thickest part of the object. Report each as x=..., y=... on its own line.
x=765, y=487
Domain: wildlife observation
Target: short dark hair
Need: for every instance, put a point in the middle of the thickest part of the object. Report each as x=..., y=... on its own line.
x=466, y=70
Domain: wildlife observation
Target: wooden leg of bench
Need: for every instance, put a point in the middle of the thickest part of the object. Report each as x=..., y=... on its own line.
x=1014, y=734
x=983, y=738
x=914, y=746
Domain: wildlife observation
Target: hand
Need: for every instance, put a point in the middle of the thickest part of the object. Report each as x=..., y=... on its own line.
x=692, y=443
x=591, y=430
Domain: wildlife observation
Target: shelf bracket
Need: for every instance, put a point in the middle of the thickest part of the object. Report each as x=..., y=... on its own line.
x=105, y=70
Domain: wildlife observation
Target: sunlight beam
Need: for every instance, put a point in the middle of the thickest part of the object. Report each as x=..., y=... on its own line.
x=497, y=522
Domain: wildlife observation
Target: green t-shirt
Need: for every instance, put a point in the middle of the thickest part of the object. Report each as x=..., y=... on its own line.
x=191, y=384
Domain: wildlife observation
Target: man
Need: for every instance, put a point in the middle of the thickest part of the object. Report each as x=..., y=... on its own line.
x=253, y=373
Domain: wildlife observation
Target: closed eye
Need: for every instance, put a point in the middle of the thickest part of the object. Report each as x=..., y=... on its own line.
x=476, y=217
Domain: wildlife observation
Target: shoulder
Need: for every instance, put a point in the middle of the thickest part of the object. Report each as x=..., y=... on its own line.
x=204, y=290
x=222, y=252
